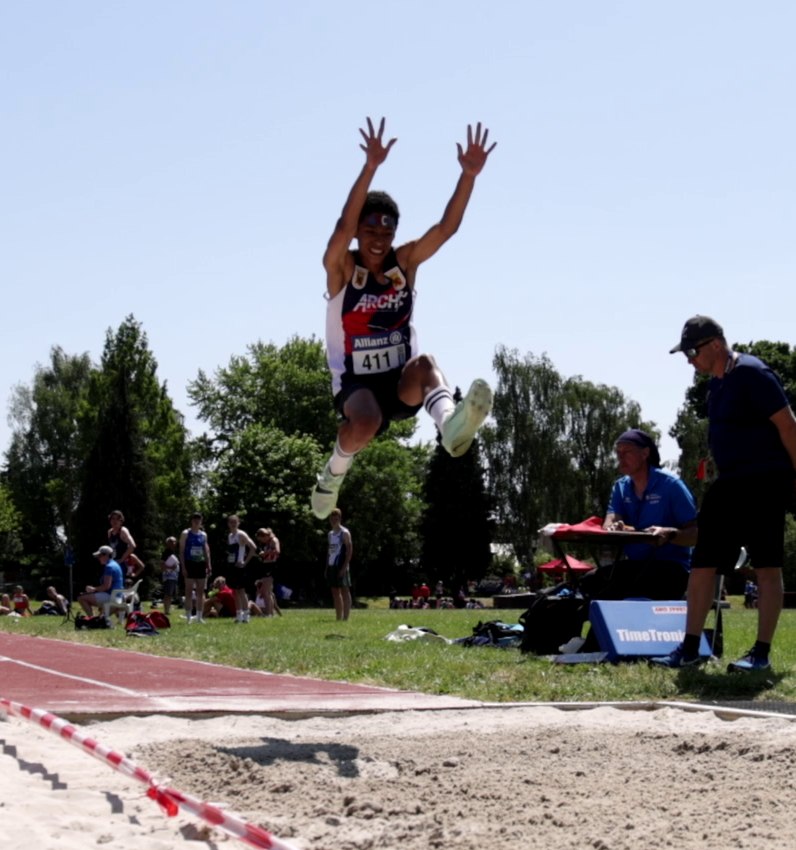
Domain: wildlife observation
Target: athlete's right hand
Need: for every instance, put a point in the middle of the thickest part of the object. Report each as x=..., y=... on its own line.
x=375, y=150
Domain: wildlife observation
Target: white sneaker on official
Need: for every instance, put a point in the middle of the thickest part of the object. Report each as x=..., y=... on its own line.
x=459, y=429
x=324, y=493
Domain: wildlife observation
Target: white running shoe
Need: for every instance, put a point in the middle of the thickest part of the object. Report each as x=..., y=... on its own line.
x=324, y=493
x=459, y=429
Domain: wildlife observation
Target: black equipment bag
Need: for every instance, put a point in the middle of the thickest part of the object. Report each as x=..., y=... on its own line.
x=551, y=621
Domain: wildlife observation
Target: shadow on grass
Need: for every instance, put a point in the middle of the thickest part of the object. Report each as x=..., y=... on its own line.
x=707, y=684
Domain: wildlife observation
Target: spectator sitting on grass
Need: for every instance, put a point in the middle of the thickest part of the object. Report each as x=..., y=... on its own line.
x=220, y=601
x=21, y=602
x=55, y=603
x=258, y=607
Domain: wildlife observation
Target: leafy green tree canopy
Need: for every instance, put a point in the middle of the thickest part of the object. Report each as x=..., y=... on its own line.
x=45, y=458
x=550, y=450
x=287, y=388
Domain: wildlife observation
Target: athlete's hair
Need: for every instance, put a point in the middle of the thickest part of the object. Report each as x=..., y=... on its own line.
x=379, y=202
x=118, y=514
x=233, y=516
x=336, y=512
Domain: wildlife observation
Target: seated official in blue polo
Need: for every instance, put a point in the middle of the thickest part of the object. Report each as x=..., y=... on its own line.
x=646, y=498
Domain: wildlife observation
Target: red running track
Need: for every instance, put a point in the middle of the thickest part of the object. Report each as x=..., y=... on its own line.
x=78, y=682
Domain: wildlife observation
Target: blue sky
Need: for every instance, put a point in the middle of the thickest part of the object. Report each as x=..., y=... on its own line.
x=185, y=161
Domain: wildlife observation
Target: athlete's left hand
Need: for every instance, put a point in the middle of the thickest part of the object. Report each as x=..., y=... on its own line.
x=473, y=159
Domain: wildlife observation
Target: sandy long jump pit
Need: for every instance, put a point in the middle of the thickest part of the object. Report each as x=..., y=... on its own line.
x=510, y=777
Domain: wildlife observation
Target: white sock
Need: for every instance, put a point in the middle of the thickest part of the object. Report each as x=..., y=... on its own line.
x=439, y=404
x=340, y=461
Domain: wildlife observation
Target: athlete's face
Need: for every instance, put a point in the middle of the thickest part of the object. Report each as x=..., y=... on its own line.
x=374, y=240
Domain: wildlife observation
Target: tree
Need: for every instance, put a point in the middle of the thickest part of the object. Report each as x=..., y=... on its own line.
x=10, y=526
x=382, y=504
x=455, y=530
x=263, y=407
x=550, y=450
x=594, y=416
x=265, y=476
x=45, y=457
x=286, y=388
x=136, y=455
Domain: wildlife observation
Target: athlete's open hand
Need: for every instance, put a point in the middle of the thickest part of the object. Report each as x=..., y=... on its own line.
x=375, y=149
x=473, y=159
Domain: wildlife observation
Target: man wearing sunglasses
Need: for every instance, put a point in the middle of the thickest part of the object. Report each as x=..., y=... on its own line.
x=752, y=438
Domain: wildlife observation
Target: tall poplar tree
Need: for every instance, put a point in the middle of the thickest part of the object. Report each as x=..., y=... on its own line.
x=136, y=455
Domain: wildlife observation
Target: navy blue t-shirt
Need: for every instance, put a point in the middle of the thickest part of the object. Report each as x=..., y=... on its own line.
x=743, y=439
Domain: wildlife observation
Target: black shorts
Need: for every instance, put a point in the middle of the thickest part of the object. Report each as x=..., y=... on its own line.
x=236, y=577
x=257, y=569
x=384, y=388
x=748, y=511
x=333, y=578
x=196, y=570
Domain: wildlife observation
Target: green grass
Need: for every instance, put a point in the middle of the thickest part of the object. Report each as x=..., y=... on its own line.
x=309, y=642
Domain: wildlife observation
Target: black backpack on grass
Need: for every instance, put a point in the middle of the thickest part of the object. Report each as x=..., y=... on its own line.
x=551, y=621
x=98, y=622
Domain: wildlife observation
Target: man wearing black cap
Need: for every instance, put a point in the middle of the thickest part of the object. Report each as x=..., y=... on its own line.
x=752, y=438
x=646, y=498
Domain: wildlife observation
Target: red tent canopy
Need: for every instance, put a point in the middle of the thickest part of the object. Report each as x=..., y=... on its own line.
x=558, y=566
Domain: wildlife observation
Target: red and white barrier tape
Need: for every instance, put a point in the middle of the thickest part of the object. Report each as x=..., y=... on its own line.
x=168, y=798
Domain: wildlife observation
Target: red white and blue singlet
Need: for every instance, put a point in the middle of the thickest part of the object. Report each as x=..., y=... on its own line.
x=368, y=324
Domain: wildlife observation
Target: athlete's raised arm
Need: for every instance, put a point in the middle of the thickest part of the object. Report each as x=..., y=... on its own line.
x=472, y=161
x=335, y=257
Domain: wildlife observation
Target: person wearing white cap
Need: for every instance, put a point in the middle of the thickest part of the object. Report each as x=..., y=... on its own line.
x=112, y=579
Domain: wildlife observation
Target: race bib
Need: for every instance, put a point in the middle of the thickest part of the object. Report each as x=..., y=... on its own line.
x=197, y=553
x=372, y=355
